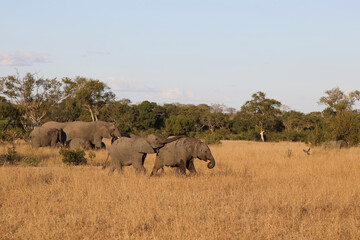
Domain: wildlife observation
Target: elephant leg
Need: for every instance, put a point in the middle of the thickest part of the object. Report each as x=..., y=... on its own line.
x=53, y=143
x=119, y=168
x=182, y=167
x=115, y=164
x=156, y=167
x=190, y=166
x=139, y=168
x=111, y=169
x=97, y=143
x=138, y=164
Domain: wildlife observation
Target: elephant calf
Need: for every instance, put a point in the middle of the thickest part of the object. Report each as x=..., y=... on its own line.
x=181, y=154
x=83, y=144
x=45, y=137
x=132, y=151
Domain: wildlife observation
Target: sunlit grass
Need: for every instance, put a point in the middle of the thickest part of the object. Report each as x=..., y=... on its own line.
x=255, y=191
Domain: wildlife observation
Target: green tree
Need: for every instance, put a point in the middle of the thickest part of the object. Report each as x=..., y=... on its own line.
x=33, y=96
x=196, y=114
x=338, y=100
x=340, y=121
x=295, y=125
x=87, y=93
x=122, y=113
x=149, y=115
x=243, y=125
x=316, y=128
x=214, y=121
x=264, y=112
x=177, y=125
x=68, y=110
x=346, y=126
x=10, y=121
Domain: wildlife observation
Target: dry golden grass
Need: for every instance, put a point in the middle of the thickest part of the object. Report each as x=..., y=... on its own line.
x=255, y=191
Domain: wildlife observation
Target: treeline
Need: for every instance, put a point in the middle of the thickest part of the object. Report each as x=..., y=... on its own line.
x=31, y=101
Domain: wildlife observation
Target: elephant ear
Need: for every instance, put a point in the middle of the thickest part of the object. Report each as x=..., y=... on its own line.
x=62, y=136
x=142, y=146
x=104, y=132
x=190, y=145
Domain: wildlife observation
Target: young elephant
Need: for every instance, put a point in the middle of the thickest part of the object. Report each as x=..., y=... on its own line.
x=132, y=151
x=181, y=154
x=45, y=137
x=83, y=144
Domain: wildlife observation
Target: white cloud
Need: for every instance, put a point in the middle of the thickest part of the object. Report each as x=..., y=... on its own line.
x=175, y=93
x=138, y=91
x=22, y=58
x=126, y=85
x=226, y=98
x=190, y=95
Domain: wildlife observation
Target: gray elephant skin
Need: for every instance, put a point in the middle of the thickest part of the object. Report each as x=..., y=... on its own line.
x=181, y=154
x=132, y=151
x=45, y=137
x=87, y=131
x=337, y=144
x=83, y=144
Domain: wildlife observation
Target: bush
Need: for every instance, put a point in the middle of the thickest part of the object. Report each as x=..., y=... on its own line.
x=31, y=160
x=345, y=126
x=92, y=156
x=11, y=156
x=210, y=138
x=73, y=157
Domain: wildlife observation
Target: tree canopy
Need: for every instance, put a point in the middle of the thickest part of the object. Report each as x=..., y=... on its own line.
x=29, y=101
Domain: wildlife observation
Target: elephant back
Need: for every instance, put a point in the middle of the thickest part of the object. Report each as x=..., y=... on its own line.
x=53, y=124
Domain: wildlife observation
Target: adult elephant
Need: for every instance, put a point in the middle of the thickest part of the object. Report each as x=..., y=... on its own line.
x=87, y=131
x=181, y=154
x=57, y=125
x=45, y=137
x=127, y=151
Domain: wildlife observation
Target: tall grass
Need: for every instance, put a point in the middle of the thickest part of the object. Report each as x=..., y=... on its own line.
x=255, y=191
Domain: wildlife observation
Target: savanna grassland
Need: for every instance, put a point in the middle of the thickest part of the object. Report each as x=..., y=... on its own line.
x=255, y=191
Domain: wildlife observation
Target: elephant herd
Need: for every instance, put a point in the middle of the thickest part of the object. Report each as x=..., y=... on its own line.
x=176, y=151
x=77, y=134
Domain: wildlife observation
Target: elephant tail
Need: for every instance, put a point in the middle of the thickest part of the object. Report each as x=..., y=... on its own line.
x=104, y=166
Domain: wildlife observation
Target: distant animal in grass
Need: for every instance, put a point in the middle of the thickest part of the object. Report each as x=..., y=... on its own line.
x=307, y=151
x=336, y=144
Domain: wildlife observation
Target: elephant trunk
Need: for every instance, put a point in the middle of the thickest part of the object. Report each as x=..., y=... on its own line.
x=116, y=133
x=211, y=164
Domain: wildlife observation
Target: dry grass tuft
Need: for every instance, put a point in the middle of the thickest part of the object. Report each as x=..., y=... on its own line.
x=255, y=191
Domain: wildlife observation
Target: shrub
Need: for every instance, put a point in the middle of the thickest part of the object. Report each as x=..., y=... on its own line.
x=92, y=156
x=31, y=160
x=73, y=157
x=210, y=138
x=11, y=156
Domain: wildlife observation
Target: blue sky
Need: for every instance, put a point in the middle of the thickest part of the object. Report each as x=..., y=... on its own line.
x=213, y=52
